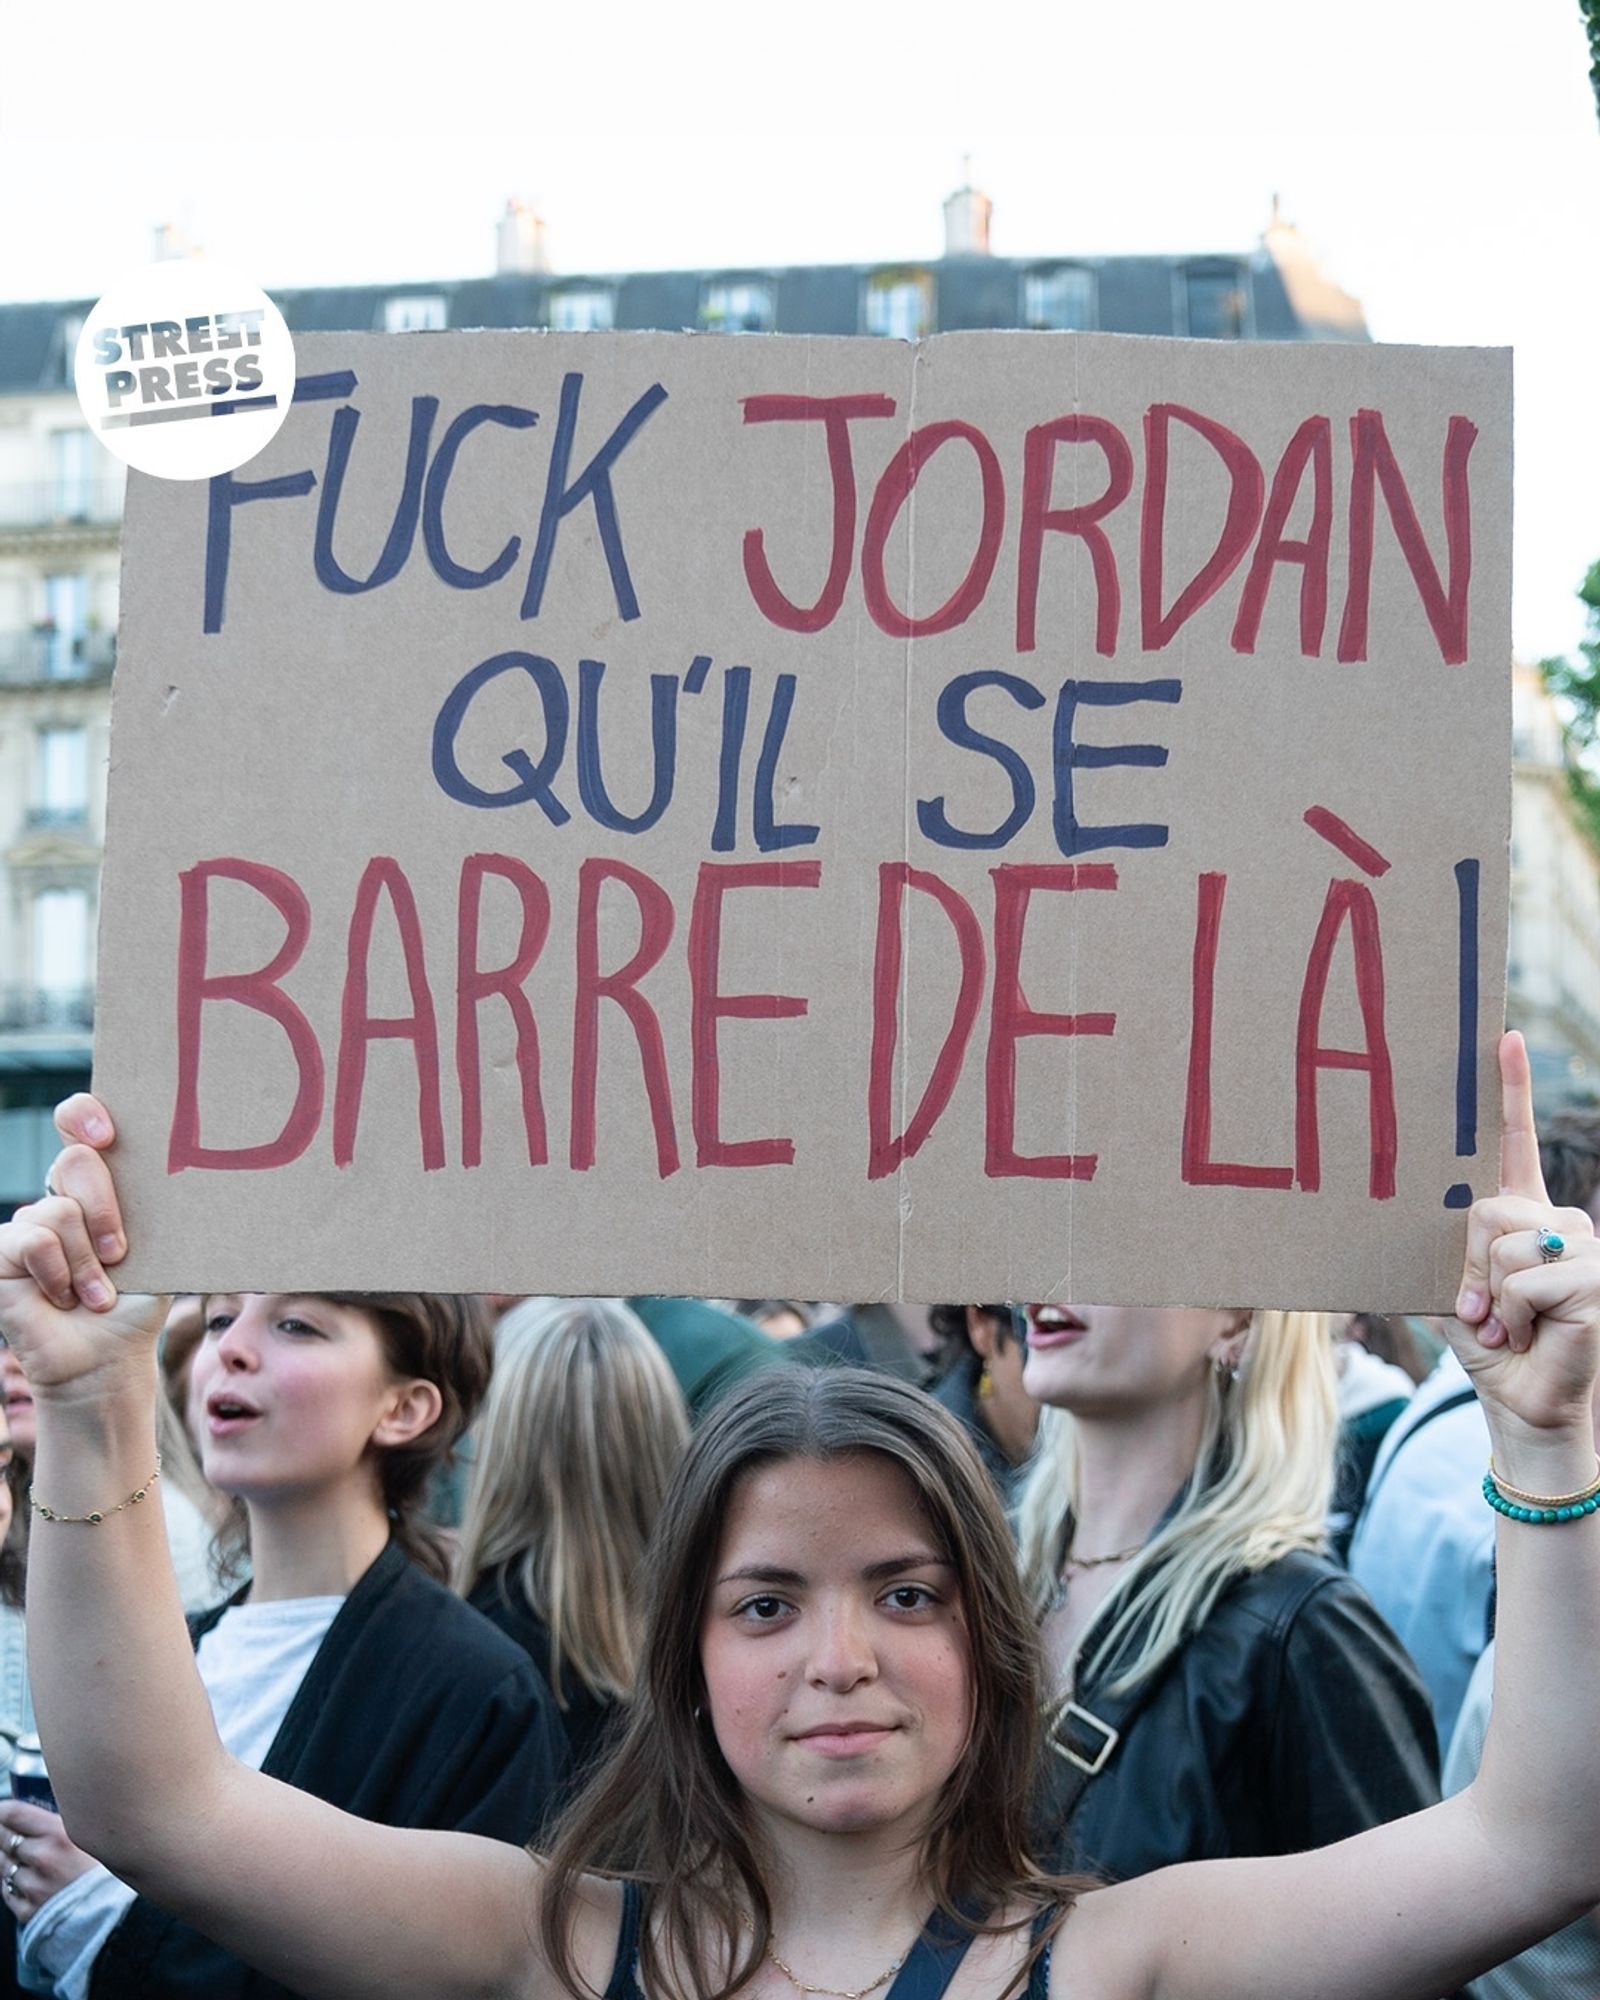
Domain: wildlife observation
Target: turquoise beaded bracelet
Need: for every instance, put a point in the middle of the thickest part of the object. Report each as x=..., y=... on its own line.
x=1540, y=1516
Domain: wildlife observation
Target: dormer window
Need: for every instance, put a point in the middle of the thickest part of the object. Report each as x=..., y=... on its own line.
x=416, y=312
x=1216, y=303
x=898, y=305
x=739, y=305
x=583, y=309
x=1062, y=298
x=65, y=349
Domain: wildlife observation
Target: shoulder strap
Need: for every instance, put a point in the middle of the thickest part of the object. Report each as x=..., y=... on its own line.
x=1084, y=1739
x=1039, y=1975
x=933, y=1960
x=1454, y=1401
x=624, y=1982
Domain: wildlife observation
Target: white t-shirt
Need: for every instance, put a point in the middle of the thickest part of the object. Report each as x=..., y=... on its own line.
x=252, y=1662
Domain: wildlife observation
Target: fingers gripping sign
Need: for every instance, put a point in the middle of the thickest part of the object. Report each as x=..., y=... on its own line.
x=1529, y=1303
x=58, y=1306
x=79, y=1171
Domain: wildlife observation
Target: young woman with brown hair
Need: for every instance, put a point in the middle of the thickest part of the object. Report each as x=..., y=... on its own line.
x=823, y=1787
x=343, y=1667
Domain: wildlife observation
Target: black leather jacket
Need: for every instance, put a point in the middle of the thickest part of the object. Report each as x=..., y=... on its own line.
x=1292, y=1717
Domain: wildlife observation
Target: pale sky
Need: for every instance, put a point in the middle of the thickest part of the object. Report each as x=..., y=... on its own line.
x=1442, y=156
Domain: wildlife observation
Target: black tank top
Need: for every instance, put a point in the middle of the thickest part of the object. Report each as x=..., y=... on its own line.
x=929, y=1968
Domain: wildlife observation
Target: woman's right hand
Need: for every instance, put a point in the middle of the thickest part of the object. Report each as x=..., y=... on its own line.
x=37, y=1858
x=59, y=1310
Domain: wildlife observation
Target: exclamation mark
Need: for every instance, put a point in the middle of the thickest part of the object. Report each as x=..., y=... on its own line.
x=1460, y=1196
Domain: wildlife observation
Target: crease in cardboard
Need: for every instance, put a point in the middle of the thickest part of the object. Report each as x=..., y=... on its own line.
x=1064, y=1285
x=904, y=1205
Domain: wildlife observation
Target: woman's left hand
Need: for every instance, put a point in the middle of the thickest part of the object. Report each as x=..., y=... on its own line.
x=1530, y=1325
x=36, y=1857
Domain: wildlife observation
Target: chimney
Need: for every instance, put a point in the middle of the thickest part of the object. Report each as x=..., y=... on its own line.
x=171, y=239
x=1324, y=309
x=519, y=242
x=966, y=219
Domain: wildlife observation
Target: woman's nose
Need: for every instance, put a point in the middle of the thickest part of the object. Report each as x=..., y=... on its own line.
x=842, y=1654
x=238, y=1344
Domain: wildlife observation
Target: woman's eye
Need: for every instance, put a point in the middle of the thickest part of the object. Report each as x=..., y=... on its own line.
x=299, y=1326
x=218, y=1323
x=911, y=1597
x=762, y=1610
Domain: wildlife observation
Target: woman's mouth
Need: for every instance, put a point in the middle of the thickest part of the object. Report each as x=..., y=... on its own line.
x=227, y=1416
x=849, y=1739
x=1053, y=1326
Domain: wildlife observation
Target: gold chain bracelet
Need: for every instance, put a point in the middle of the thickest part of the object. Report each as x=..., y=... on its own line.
x=1510, y=1492
x=93, y=1520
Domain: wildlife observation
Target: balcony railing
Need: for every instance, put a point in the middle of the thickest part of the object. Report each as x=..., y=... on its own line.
x=56, y=819
x=30, y=658
x=24, y=1007
x=60, y=503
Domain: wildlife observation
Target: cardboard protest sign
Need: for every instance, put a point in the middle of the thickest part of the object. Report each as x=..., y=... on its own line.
x=1022, y=816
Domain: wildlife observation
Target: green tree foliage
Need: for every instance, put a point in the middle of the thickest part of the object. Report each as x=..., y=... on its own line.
x=1590, y=10
x=1576, y=682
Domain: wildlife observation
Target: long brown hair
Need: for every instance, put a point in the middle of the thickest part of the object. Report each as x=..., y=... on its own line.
x=14, y=1550
x=445, y=1338
x=665, y=1809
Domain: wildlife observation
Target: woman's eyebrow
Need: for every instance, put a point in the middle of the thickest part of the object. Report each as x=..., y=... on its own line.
x=873, y=1572
x=771, y=1573
x=917, y=1559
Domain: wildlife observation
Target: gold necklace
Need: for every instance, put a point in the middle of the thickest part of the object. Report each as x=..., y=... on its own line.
x=836, y=1992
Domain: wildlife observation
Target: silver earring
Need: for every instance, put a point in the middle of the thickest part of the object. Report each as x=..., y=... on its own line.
x=1226, y=1371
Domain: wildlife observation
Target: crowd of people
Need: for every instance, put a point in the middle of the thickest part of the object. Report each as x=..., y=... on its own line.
x=777, y=1648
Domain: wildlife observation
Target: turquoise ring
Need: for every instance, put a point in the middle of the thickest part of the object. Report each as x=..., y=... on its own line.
x=1549, y=1245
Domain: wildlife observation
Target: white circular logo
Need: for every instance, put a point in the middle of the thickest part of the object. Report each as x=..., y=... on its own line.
x=185, y=369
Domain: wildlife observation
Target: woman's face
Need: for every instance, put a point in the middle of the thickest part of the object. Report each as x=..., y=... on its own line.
x=833, y=1648
x=7, y=1503
x=289, y=1393
x=1123, y=1361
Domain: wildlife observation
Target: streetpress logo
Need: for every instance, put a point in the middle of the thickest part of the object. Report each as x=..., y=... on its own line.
x=185, y=369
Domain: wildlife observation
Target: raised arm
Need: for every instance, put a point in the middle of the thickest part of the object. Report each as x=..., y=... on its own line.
x=328, y=1904
x=1412, y=1909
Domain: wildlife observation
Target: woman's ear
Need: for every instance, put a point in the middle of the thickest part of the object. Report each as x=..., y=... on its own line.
x=1228, y=1349
x=982, y=1332
x=414, y=1409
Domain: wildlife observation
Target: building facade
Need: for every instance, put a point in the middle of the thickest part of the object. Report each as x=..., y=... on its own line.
x=1553, y=960
x=60, y=506
x=61, y=502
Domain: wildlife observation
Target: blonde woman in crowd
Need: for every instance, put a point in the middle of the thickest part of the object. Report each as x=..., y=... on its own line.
x=1221, y=1686
x=580, y=1436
